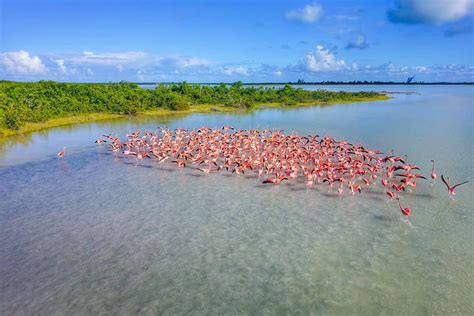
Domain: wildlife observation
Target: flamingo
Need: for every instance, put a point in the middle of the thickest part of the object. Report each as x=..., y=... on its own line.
x=392, y=195
x=407, y=168
x=276, y=180
x=451, y=189
x=280, y=157
x=405, y=210
x=138, y=156
x=61, y=154
x=207, y=170
x=411, y=175
x=433, y=173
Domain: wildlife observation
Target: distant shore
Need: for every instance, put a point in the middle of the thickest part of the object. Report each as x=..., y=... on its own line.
x=322, y=83
x=201, y=108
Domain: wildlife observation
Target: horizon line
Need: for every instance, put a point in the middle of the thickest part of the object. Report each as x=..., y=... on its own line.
x=264, y=83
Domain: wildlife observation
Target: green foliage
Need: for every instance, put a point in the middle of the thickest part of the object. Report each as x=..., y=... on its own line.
x=23, y=102
x=174, y=101
x=13, y=118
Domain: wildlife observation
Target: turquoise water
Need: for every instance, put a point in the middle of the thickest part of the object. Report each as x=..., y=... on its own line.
x=94, y=234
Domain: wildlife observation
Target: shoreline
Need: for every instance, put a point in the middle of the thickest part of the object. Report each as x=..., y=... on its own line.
x=199, y=108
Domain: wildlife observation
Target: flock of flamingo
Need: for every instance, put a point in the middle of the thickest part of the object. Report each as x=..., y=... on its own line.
x=275, y=157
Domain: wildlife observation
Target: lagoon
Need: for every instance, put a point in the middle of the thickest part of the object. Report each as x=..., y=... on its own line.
x=94, y=234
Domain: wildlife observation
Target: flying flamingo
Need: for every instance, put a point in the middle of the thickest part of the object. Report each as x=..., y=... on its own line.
x=451, y=189
x=276, y=180
x=207, y=170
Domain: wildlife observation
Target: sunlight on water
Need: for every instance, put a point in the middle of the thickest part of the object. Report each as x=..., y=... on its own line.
x=96, y=234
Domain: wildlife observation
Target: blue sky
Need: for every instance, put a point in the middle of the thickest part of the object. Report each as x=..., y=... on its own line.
x=227, y=40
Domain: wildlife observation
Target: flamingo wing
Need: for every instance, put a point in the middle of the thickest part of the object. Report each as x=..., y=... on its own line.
x=444, y=181
x=460, y=184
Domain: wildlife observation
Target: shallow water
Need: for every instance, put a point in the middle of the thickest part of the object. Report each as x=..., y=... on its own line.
x=96, y=234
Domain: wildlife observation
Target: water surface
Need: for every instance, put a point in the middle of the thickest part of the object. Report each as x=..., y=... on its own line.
x=96, y=234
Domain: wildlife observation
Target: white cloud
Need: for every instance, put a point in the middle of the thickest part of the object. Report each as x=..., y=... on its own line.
x=236, y=71
x=185, y=62
x=120, y=60
x=390, y=71
x=107, y=59
x=61, y=65
x=318, y=65
x=323, y=60
x=430, y=11
x=21, y=63
x=310, y=13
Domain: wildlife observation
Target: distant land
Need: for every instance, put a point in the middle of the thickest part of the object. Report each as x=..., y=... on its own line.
x=301, y=82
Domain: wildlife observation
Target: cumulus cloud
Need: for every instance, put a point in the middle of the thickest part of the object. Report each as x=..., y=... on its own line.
x=236, y=71
x=359, y=43
x=186, y=62
x=61, y=65
x=309, y=14
x=318, y=65
x=22, y=64
x=322, y=60
x=323, y=65
x=430, y=11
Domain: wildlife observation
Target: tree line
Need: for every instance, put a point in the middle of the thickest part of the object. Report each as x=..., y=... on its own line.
x=28, y=102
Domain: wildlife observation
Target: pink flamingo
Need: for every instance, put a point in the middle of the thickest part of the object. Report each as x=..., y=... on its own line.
x=405, y=210
x=451, y=189
x=276, y=180
x=62, y=153
x=433, y=173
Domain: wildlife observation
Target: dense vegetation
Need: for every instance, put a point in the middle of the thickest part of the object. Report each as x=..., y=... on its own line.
x=28, y=102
